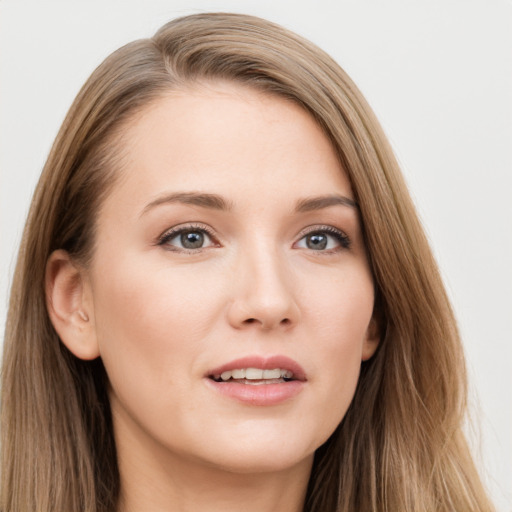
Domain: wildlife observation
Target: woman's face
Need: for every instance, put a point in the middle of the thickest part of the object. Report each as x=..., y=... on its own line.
x=229, y=290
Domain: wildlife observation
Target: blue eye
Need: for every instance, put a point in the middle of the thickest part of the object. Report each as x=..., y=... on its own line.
x=187, y=238
x=325, y=239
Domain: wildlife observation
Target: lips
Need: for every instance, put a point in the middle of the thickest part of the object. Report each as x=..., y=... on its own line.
x=257, y=367
x=255, y=375
x=258, y=381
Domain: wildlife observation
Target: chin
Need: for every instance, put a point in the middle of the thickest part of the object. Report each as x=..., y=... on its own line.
x=259, y=463
x=261, y=452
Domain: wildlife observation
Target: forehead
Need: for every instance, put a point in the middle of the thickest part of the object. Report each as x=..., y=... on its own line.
x=228, y=139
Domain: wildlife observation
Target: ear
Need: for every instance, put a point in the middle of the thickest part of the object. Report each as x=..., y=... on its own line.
x=69, y=303
x=372, y=339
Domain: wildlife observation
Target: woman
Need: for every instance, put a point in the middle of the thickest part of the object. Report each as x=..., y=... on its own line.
x=224, y=298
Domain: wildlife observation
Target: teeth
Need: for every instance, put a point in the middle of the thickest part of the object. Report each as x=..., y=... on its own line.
x=225, y=375
x=256, y=374
x=262, y=382
x=253, y=374
x=272, y=374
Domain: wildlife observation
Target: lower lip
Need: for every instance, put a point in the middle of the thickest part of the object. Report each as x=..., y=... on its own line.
x=261, y=395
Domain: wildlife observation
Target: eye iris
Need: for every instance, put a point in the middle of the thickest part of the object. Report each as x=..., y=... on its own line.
x=192, y=239
x=316, y=241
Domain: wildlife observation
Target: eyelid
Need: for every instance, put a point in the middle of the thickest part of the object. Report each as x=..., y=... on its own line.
x=343, y=239
x=170, y=233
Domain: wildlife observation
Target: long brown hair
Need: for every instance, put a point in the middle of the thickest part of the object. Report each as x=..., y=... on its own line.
x=400, y=445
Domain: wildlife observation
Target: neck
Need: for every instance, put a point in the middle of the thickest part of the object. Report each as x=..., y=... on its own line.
x=191, y=489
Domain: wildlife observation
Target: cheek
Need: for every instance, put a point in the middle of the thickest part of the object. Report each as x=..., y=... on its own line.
x=339, y=317
x=339, y=308
x=150, y=320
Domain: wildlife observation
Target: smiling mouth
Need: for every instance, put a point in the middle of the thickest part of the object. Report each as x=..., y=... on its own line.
x=254, y=376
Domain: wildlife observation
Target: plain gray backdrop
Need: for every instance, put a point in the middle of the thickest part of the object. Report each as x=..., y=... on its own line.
x=438, y=73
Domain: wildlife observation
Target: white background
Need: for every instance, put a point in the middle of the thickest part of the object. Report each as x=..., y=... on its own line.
x=438, y=73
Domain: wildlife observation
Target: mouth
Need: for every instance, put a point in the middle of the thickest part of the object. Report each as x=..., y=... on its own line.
x=254, y=376
x=258, y=381
x=258, y=370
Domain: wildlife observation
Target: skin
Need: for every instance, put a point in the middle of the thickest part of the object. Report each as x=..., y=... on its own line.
x=161, y=316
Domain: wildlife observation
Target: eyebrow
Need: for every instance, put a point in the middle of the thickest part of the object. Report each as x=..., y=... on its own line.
x=310, y=204
x=204, y=200
x=216, y=202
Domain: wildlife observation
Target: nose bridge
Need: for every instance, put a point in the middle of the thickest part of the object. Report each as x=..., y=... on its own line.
x=264, y=292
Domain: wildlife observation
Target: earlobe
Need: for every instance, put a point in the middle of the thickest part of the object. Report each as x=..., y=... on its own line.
x=372, y=339
x=69, y=305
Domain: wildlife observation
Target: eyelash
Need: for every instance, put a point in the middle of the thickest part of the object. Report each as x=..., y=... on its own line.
x=339, y=235
x=164, y=239
x=178, y=230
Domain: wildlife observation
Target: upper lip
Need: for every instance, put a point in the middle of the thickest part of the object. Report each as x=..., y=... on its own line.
x=263, y=362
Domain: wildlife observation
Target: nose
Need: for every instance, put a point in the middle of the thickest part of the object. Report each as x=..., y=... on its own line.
x=263, y=293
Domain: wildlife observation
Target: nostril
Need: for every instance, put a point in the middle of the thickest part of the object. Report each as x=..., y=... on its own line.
x=284, y=321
